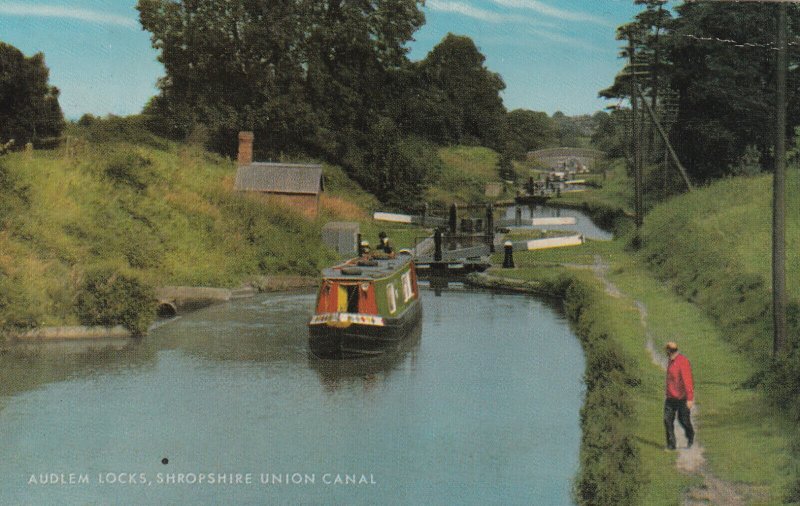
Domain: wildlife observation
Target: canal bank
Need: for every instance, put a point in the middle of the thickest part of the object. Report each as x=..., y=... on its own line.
x=743, y=440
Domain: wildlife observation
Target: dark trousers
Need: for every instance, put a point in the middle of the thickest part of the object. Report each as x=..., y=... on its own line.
x=672, y=406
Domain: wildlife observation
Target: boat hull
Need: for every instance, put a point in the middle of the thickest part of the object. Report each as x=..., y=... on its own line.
x=358, y=340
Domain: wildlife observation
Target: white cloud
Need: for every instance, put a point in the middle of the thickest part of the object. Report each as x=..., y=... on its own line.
x=481, y=14
x=54, y=11
x=553, y=12
x=465, y=10
x=566, y=39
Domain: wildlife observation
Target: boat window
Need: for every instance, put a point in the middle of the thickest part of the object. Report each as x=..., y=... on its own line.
x=391, y=297
x=408, y=292
x=352, y=299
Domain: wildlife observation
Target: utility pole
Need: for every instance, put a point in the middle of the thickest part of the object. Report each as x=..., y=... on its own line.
x=779, y=185
x=637, y=165
x=779, y=196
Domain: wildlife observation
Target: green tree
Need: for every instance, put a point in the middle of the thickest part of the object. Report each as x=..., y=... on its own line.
x=529, y=131
x=29, y=108
x=456, y=99
x=727, y=92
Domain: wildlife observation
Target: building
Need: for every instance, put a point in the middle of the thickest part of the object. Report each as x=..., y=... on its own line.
x=292, y=184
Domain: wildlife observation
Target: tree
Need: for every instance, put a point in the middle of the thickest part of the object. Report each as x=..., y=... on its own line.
x=300, y=73
x=529, y=131
x=455, y=98
x=727, y=92
x=29, y=108
x=321, y=78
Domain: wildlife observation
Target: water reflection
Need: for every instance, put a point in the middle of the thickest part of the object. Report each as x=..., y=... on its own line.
x=335, y=374
x=30, y=366
x=584, y=224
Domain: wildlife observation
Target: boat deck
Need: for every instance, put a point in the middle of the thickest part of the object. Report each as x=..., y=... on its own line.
x=360, y=268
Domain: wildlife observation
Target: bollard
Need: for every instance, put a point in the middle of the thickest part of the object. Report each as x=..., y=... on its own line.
x=490, y=227
x=518, y=216
x=508, y=261
x=437, y=244
x=453, y=218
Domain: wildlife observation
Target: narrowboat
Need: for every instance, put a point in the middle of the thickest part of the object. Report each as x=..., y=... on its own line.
x=365, y=306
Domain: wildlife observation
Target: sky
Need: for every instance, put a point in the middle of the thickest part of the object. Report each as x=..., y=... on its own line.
x=553, y=55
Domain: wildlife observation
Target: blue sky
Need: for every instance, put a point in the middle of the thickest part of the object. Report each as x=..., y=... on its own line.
x=552, y=54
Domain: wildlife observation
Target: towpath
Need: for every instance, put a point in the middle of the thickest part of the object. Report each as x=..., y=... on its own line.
x=692, y=460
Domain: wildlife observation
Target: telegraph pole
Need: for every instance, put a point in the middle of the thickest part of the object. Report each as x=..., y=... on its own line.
x=637, y=164
x=778, y=185
x=779, y=195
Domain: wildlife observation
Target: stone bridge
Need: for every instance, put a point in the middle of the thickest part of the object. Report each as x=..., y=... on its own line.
x=559, y=158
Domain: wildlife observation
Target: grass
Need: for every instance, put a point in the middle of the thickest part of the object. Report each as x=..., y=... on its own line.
x=746, y=440
x=616, y=191
x=465, y=172
x=167, y=215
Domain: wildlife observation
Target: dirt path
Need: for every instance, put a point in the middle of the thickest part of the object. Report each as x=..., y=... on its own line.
x=690, y=461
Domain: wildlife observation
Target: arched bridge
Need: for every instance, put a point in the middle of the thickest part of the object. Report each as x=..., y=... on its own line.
x=570, y=158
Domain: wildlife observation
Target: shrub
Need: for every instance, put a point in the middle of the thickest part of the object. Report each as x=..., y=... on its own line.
x=610, y=463
x=107, y=297
x=130, y=168
x=17, y=310
x=131, y=129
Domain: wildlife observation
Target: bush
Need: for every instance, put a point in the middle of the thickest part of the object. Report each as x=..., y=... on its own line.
x=130, y=168
x=107, y=297
x=130, y=129
x=610, y=463
x=17, y=310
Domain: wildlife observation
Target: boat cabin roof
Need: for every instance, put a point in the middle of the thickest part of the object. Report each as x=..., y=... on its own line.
x=366, y=268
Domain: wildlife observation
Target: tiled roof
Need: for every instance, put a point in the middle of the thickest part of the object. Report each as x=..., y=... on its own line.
x=280, y=178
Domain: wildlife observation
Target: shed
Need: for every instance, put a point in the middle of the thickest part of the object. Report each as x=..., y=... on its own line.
x=298, y=185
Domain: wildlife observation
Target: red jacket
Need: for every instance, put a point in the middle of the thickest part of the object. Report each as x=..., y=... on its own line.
x=679, y=379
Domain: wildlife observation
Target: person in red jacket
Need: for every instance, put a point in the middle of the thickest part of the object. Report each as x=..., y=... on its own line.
x=680, y=396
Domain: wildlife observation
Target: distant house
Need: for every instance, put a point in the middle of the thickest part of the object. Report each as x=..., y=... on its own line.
x=293, y=184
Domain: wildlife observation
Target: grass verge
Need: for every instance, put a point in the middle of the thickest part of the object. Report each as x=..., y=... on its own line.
x=747, y=441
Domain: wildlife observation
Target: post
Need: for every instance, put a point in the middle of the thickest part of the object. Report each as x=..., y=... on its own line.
x=437, y=246
x=453, y=218
x=665, y=138
x=424, y=213
x=779, y=196
x=508, y=260
x=518, y=216
x=358, y=246
x=637, y=175
x=490, y=226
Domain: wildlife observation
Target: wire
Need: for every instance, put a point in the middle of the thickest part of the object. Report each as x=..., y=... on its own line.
x=735, y=43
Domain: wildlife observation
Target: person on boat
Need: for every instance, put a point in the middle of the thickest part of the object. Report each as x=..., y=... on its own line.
x=383, y=243
x=679, y=396
x=364, y=247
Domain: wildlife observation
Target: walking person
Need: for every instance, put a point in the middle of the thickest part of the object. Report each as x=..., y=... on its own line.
x=680, y=396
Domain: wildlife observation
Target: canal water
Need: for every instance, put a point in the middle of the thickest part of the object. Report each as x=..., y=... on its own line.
x=481, y=406
x=584, y=225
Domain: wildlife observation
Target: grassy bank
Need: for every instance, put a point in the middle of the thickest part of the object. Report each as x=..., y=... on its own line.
x=146, y=215
x=746, y=440
x=465, y=172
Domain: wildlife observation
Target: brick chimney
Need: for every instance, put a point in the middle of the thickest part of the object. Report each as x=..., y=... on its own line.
x=245, y=148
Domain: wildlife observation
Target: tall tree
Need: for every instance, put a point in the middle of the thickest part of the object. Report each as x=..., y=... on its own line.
x=529, y=131
x=29, y=108
x=456, y=99
x=300, y=73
